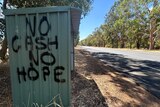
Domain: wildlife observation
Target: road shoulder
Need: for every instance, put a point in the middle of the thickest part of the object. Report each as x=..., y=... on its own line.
x=119, y=90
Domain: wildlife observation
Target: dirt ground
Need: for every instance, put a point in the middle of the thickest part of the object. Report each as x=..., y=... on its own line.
x=93, y=85
x=103, y=86
x=5, y=86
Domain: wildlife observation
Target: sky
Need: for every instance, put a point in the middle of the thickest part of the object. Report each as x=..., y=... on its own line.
x=95, y=18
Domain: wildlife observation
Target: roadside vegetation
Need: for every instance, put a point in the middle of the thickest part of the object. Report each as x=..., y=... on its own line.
x=129, y=24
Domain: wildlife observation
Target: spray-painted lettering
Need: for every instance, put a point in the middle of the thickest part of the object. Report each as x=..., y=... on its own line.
x=38, y=45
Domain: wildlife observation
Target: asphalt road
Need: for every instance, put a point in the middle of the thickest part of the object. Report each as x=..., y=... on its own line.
x=142, y=65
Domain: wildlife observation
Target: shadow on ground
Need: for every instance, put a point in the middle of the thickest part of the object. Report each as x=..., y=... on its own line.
x=85, y=92
x=122, y=68
x=143, y=71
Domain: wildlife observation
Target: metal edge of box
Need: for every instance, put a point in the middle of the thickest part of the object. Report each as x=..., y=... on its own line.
x=38, y=10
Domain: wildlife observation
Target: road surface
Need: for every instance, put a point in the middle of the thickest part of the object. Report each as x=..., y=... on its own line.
x=142, y=65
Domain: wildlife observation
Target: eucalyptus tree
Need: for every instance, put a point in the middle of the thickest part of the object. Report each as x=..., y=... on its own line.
x=137, y=26
x=154, y=23
x=106, y=38
x=151, y=9
x=103, y=28
x=110, y=20
x=96, y=34
x=117, y=18
x=131, y=23
x=135, y=20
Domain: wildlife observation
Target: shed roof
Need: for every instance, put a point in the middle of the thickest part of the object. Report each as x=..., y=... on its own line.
x=75, y=14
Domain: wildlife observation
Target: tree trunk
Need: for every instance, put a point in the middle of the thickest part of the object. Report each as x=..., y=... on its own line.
x=151, y=36
x=130, y=43
x=152, y=28
x=122, y=43
x=112, y=43
x=3, y=51
x=138, y=45
x=104, y=43
x=138, y=42
x=151, y=46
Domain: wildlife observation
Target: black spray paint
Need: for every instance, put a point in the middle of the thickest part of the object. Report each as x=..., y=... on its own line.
x=33, y=45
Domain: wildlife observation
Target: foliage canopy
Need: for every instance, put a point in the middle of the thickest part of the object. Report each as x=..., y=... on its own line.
x=129, y=24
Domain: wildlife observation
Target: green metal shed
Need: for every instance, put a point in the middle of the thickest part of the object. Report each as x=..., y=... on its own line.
x=41, y=54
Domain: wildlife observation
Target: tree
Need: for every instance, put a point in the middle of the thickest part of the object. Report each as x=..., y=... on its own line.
x=85, y=5
x=131, y=24
x=151, y=8
x=3, y=51
x=153, y=23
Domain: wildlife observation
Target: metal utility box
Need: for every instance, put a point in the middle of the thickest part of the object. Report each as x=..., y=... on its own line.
x=41, y=54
